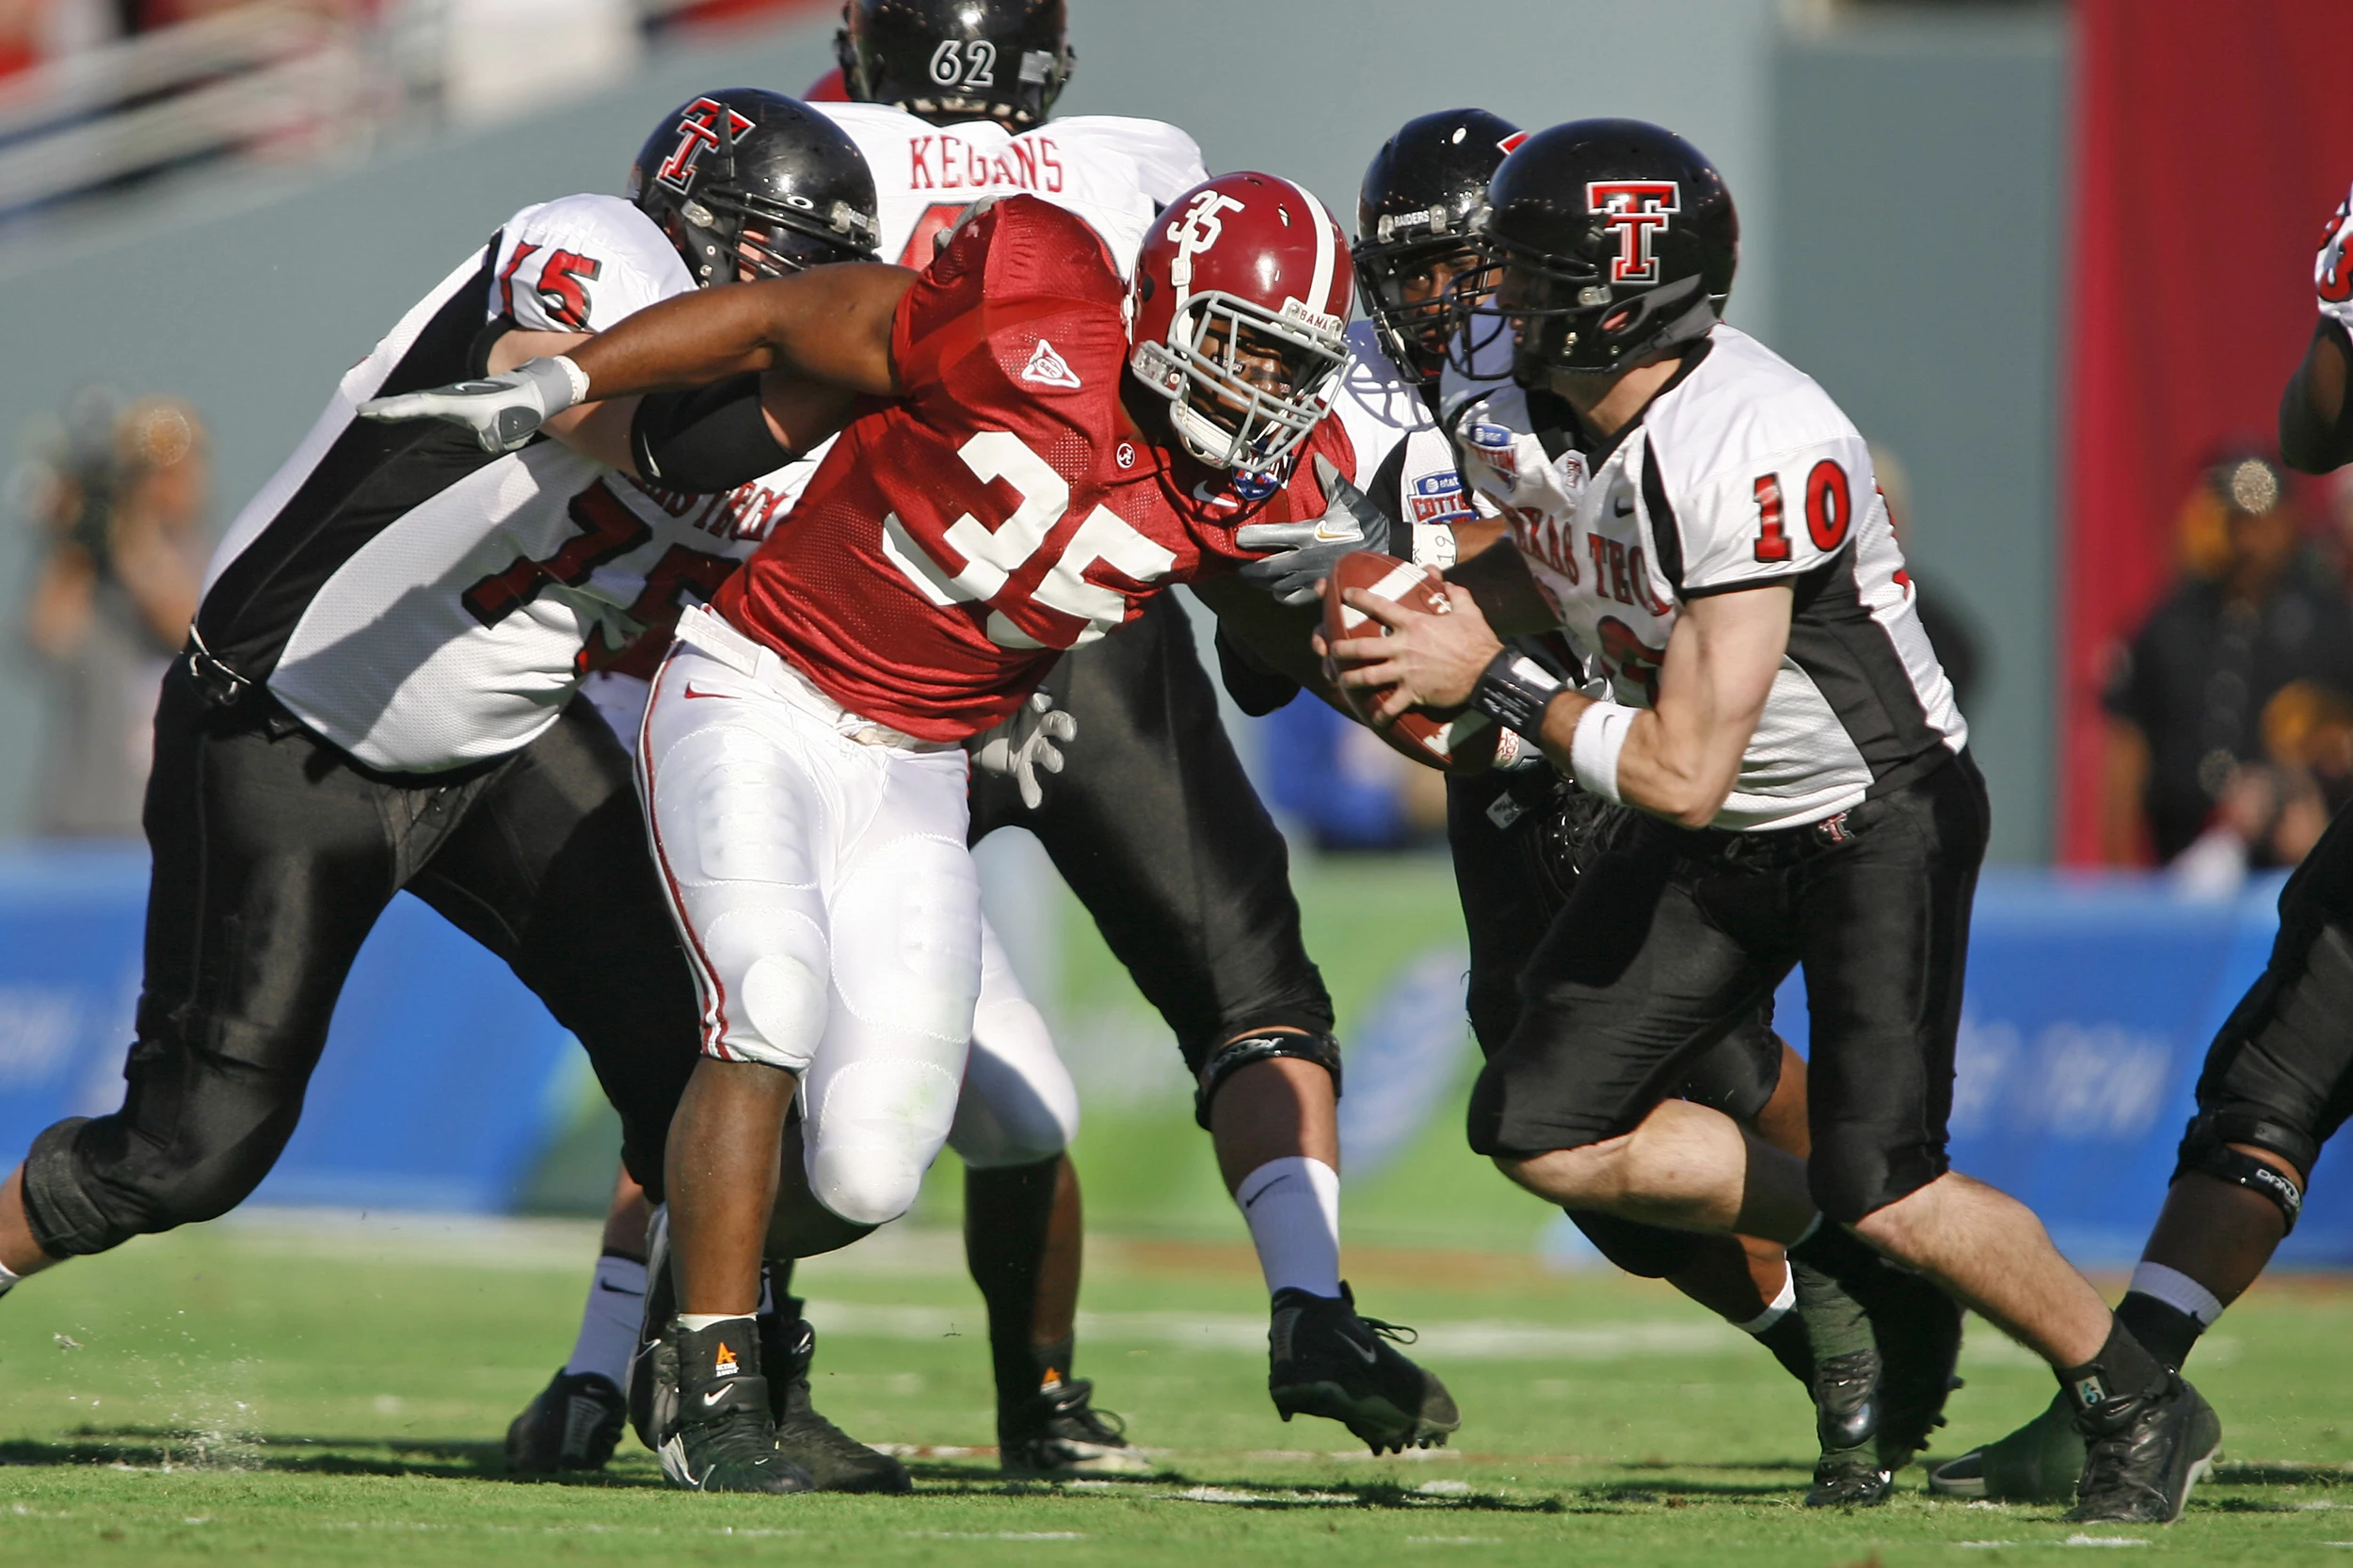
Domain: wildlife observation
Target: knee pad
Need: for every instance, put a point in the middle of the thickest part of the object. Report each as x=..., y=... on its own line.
x=878, y=1128
x=1018, y=1105
x=1848, y=1182
x=1647, y=1252
x=59, y=1212
x=2206, y=1150
x=1230, y=1057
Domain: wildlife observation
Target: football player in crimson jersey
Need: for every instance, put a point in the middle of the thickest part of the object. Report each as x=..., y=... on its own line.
x=1215, y=941
x=380, y=692
x=1155, y=824
x=794, y=760
x=1702, y=519
x=2279, y=1077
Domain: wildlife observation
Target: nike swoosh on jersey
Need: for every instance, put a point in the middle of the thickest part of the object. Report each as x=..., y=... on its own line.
x=690, y=692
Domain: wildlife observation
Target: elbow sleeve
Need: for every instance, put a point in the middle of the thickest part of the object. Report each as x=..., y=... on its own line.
x=707, y=439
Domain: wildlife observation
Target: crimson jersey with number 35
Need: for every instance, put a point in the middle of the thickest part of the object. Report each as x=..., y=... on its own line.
x=959, y=537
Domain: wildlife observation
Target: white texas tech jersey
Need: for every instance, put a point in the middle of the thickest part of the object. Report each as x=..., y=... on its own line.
x=1114, y=172
x=423, y=604
x=1743, y=472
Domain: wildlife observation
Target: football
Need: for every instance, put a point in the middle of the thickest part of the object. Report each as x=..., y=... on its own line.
x=1465, y=741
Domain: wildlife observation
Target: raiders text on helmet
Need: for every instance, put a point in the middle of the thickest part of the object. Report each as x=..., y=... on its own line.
x=955, y=60
x=1239, y=303
x=752, y=177
x=1617, y=241
x=1422, y=192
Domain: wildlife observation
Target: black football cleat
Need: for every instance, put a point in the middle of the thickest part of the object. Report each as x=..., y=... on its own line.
x=571, y=1424
x=1847, y=1423
x=1326, y=1360
x=653, y=1370
x=2143, y=1453
x=1918, y=1329
x=725, y=1440
x=2039, y=1462
x=835, y=1460
x=1058, y=1431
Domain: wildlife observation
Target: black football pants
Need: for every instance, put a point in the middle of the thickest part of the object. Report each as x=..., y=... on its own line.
x=1158, y=831
x=274, y=854
x=2279, y=1073
x=1518, y=839
x=1673, y=939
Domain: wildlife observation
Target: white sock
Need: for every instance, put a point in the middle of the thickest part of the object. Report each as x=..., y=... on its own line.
x=608, y=1325
x=2178, y=1292
x=1292, y=1207
x=8, y=1279
x=1782, y=1305
x=695, y=1322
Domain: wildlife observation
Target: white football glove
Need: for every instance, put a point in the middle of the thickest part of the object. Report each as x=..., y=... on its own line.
x=1305, y=551
x=1025, y=743
x=503, y=412
x=2332, y=270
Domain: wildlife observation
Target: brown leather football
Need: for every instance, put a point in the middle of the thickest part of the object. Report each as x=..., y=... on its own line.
x=1465, y=741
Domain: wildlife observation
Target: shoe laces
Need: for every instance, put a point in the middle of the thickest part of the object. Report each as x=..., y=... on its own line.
x=1398, y=1332
x=1073, y=1402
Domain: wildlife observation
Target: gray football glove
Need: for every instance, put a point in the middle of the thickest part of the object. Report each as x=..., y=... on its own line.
x=1025, y=743
x=1305, y=551
x=503, y=412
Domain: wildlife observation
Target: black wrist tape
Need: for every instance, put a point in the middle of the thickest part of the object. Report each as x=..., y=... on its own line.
x=1514, y=690
x=707, y=439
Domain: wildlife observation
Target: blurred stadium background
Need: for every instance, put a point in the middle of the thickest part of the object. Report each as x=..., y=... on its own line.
x=2050, y=256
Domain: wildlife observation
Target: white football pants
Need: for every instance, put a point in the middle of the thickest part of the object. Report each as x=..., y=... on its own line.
x=1018, y=1105
x=816, y=866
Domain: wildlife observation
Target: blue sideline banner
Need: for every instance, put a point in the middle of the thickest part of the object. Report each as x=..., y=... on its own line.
x=442, y=1081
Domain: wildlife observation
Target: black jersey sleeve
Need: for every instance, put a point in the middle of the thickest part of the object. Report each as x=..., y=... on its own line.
x=707, y=439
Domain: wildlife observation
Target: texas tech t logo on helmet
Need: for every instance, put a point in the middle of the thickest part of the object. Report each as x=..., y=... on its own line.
x=1634, y=210
x=698, y=129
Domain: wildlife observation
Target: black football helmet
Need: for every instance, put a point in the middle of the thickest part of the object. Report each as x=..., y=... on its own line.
x=747, y=177
x=946, y=60
x=1421, y=195
x=1617, y=241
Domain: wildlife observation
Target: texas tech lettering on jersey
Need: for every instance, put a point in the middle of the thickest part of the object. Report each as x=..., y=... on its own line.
x=1742, y=473
x=1112, y=171
x=424, y=605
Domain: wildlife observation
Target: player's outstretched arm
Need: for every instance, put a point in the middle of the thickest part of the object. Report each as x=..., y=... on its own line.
x=830, y=325
x=819, y=339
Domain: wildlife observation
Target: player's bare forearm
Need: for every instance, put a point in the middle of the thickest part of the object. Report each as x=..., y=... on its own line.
x=598, y=431
x=830, y=325
x=1682, y=755
x=1507, y=597
x=2316, y=435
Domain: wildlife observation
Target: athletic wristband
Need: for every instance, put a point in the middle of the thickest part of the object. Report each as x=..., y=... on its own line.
x=1514, y=690
x=1601, y=731
x=560, y=383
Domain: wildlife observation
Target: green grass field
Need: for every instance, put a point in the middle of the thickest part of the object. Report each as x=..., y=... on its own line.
x=332, y=1390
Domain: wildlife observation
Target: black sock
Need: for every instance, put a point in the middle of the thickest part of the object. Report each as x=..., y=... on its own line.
x=1007, y=1216
x=1791, y=1346
x=2123, y=1369
x=1049, y=1365
x=2164, y=1331
x=1835, y=1251
x=779, y=1285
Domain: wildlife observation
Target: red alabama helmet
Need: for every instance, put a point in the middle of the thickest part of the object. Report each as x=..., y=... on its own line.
x=1241, y=292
